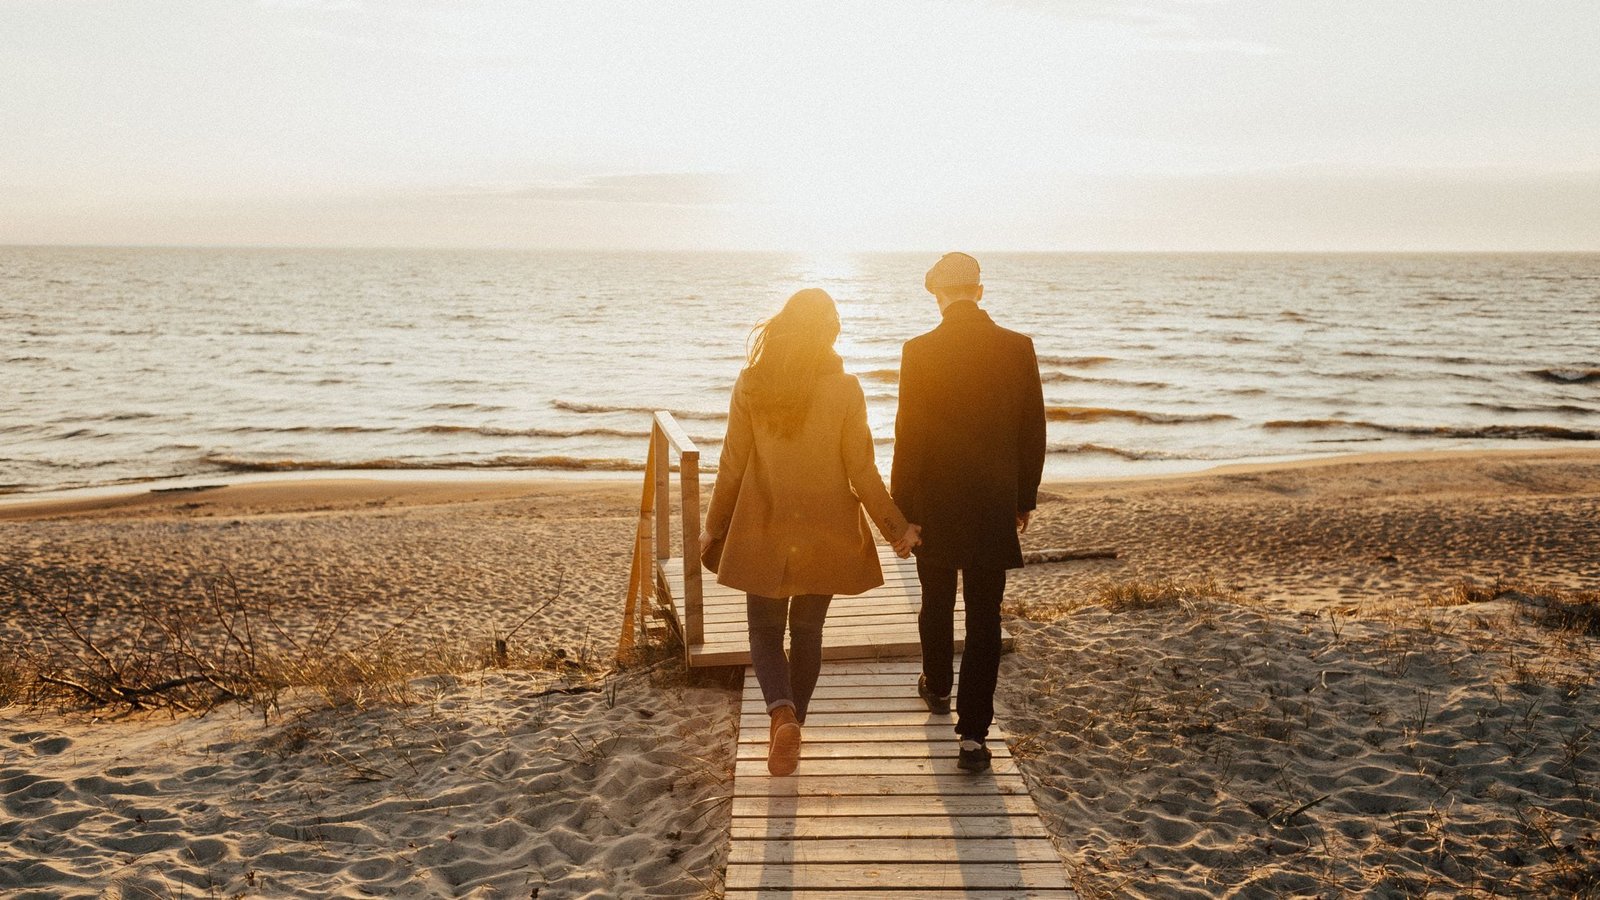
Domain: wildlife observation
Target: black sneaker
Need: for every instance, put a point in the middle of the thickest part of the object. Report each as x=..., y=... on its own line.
x=939, y=706
x=974, y=756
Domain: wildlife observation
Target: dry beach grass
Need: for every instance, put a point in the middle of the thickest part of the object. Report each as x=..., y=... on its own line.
x=1368, y=678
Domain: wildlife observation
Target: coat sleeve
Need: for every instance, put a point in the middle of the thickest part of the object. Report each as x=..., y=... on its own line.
x=903, y=473
x=862, y=468
x=731, y=465
x=1030, y=432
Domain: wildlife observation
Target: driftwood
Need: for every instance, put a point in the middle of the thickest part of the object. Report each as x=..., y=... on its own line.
x=1062, y=554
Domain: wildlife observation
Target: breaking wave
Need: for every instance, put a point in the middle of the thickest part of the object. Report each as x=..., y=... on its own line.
x=1100, y=414
x=1120, y=452
x=1504, y=432
x=571, y=463
x=571, y=406
x=1075, y=362
x=1567, y=376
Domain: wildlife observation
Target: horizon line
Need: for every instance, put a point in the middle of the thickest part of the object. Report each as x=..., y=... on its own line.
x=725, y=251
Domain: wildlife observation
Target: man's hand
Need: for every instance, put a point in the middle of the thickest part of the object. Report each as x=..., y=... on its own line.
x=1022, y=520
x=911, y=538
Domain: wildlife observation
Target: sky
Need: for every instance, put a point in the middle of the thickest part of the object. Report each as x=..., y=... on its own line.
x=1411, y=125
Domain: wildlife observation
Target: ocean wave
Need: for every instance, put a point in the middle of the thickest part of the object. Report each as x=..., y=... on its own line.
x=480, y=407
x=1075, y=362
x=1566, y=408
x=571, y=406
x=1502, y=432
x=20, y=428
x=1567, y=376
x=1050, y=377
x=494, y=431
x=310, y=429
x=576, y=463
x=1122, y=452
x=1098, y=414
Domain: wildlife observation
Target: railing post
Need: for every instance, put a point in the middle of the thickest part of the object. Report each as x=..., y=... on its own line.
x=641, y=577
x=693, y=596
x=658, y=446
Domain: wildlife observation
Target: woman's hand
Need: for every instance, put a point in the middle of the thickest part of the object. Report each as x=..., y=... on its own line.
x=705, y=538
x=911, y=538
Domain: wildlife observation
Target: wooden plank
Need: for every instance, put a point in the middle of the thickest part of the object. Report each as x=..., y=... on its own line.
x=735, y=651
x=887, y=560
x=944, y=786
x=879, y=668
x=917, y=894
x=737, y=654
x=673, y=568
x=828, y=827
x=892, y=875
x=736, y=613
x=903, y=850
x=933, y=729
x=886, y=619
x=807, y=806
x=864, y=682
x=829, y=767
x=849, y=704
x=689, y=479
x=937, y=732
x=832, y=638
x=873, y=750
x=729, y=604
x=901, y=686
x=892, y=585
x=674, y=433
x=825, y=717
x=658, y=449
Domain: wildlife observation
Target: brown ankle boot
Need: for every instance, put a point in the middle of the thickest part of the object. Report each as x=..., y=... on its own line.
x=783, y=747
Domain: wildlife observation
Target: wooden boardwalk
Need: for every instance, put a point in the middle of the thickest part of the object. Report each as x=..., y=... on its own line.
x=880, y=624
x=878, y=804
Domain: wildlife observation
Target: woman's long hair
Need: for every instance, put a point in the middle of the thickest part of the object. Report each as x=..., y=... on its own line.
x=788, y=354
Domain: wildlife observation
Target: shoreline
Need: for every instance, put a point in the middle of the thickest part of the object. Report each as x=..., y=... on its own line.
x=421, y=487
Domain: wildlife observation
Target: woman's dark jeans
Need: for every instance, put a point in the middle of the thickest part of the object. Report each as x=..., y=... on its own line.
x=787, y=679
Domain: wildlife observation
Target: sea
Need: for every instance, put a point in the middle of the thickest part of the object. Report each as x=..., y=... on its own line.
x=122, y=365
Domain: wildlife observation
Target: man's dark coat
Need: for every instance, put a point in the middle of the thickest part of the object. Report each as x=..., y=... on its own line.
x=968, y=439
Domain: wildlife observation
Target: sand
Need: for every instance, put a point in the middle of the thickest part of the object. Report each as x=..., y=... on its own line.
x=1437, y=750
x=480, y=787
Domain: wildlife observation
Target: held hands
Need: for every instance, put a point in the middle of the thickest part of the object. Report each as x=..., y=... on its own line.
x=705, y=538
x=911, y=538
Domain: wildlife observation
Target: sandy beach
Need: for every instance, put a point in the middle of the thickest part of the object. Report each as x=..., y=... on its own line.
x=1278, y=688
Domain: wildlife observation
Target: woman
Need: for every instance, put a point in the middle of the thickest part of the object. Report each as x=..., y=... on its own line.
x=796, y=469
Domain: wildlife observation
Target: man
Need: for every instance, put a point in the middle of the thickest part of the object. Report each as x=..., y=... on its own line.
x=968, y=455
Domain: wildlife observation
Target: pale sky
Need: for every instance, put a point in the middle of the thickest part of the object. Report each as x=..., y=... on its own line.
x=922, y=124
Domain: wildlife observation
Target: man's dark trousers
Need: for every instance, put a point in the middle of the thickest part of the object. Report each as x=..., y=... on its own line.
x=980, y=661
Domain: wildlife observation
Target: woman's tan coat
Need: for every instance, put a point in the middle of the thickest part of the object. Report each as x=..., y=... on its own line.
x=790, y=508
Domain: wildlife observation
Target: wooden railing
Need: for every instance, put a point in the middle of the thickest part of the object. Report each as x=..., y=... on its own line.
x=654, y=533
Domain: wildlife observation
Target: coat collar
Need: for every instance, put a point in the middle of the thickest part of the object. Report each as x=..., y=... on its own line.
x=963, y=311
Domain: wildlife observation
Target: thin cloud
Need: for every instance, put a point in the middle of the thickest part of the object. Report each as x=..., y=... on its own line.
x=661, y=188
